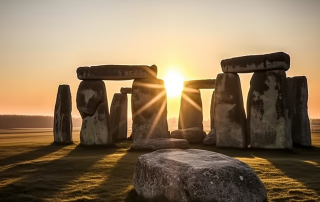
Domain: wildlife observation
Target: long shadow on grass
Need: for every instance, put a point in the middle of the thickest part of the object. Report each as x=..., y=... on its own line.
x=31, y=155
x=299, y=169
x=51, y=177
x=120, y=177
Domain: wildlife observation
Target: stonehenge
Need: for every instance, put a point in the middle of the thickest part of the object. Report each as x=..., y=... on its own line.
x=228, y=115
x=62, y=127
x=297, y=94
x=276, y=112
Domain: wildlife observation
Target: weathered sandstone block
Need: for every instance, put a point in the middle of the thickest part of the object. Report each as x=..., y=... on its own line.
x=200, y=84
x=192, y=135
x=254, y=63
x=117, y=72
x=149, y=109
x=228, y=115
x=198, y=175
x=297, y=94
x=126, y=90
x=62, y=128
x=90, y=94
x=159, y=143
x=268, y=118
x=118, y=116
x=190, y=114
x=95, y=129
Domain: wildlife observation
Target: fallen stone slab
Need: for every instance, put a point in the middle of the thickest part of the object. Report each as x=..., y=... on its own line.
x=210, y=138
x=199, y=175
x=297, y=94
x=159, y=143
x=149, y=109
x=118, y=116
x=90, y=95
x=117, y=72
x=254, y=63
x=268, y=115
x=125, y=90
x=62, y=128
x=192, y=135
x=228, y=115
x=95, y=129
x=200, y=84
x=190, y=114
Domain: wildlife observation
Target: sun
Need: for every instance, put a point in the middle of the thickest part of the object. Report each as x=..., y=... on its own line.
x=173, y=82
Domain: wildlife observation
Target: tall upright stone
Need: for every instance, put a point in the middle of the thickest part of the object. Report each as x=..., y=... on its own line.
x=62, y=127
x=228, y=115
x=190, y=114
x=92, y=104
x=149, y=109
x=118, y=116
x=268, y=114
x=297, y=94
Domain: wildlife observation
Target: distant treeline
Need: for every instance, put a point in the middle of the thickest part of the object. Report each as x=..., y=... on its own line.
x=23, y=121
x=315, y=121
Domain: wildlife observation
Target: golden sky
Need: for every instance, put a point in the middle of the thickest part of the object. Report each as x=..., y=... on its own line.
x=43, y=42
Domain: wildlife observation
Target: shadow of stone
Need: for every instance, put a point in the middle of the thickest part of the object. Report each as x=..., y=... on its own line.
x=303, y=172
x=31, y=155
x=119, y=177
x=49, y=178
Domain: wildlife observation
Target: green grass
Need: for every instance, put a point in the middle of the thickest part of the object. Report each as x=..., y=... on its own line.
x=41, y=171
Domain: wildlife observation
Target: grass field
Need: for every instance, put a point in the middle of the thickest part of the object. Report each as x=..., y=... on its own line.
x=32, y=169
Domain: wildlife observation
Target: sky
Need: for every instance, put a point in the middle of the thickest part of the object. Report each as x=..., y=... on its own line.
x=43, y=42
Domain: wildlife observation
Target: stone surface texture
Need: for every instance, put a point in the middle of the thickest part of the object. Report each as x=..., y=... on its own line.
x=210, y=138
x=254, y=63
x=268, y=114
x=159, y=143
x=126, y=90
x=228, y=115
x=297, y=94
x=118, y=116
x=117, y=72
x=192, y=135
x=190, y=114
x=95, y=129
x=62, y=128
x=200, y=84
x=92, y=104
x=149, y=109
x=192, y=174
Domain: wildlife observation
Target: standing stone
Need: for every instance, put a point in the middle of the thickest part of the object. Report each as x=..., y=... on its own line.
x=229, y=119
x=297, y=94
x=268, y=118
x=117, y=72
x=192, y=135
x=190, y=114
x=92, y=104
x=210, y=139
x=149, y=109
x=62, y=128
x=254, y=63
x=118, y=116
x=212, y=111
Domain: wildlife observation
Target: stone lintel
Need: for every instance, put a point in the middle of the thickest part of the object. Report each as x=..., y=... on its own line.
x=254, y=63
x=117, y=72
x=200, y=84
x=126, y=90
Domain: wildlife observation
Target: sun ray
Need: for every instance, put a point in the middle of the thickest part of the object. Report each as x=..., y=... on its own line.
x=156, y=119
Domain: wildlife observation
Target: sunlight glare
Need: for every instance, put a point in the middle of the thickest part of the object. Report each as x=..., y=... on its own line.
x=173, y=83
